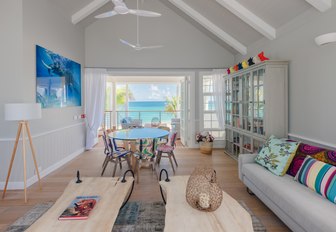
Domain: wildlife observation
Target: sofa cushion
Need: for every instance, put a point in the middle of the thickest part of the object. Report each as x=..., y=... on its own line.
x=304, y=206
x=276, y=155
x=318, y=153
x=319, y=177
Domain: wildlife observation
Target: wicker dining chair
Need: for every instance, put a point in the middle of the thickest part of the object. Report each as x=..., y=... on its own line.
x=155, y=122
x=165, y=139
x=114, y=156
x=167, y=149
x=145, y=155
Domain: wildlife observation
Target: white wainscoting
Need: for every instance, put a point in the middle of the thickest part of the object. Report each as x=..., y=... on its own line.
x=53, y=149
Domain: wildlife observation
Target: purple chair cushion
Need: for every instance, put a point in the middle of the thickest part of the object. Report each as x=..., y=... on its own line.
x=165, y=148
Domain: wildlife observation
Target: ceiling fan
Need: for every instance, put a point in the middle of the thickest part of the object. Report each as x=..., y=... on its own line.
x=137, y=46
x=121, y=8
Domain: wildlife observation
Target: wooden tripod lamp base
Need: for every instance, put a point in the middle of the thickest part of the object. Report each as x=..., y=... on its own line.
x=22, y=112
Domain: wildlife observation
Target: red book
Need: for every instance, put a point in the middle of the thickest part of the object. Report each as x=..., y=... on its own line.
x=80, y=208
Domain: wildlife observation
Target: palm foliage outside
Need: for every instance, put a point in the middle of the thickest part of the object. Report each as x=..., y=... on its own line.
x=120, y=97
x=173, y=105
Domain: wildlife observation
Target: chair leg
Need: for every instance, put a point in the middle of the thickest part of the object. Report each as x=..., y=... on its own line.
x=120, y=165
x=174, y=158
x=104, y=167
x=105, y=161
x=158, y=159
x=128, y=161
x=115, y=167
x=138, y=170
x=153, y=164
x=171, y=162
x=154, y=170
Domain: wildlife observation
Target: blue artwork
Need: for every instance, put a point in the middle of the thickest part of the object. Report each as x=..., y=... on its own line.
x=58, y=80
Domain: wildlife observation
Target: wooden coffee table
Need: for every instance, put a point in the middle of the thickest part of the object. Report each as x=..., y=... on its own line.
x=112, y=194
x=180, y=216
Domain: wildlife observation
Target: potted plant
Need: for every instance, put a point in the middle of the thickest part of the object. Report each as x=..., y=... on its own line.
x=205, y=139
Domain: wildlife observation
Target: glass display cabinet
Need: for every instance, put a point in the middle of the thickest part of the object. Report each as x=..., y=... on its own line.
x=256, y=106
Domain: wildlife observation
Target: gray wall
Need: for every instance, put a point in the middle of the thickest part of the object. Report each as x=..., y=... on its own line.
x=312, y=76
x=44, y=24
x=184, y=45
x=10, y=56
x=57, y=137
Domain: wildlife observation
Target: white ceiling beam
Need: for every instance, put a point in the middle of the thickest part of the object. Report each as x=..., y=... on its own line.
x=210, y=26
x=321, y=5
x=248, y=17
x=87, y=10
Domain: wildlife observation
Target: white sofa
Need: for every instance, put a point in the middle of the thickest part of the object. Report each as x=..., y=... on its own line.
x=300, y=208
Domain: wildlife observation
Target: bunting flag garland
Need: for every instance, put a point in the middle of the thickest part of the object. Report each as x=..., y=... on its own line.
x=250, y=61
x=247, y=63
x=262, y=57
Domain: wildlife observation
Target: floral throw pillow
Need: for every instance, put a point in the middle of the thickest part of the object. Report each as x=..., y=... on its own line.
x=276, y=155
x=318, y=153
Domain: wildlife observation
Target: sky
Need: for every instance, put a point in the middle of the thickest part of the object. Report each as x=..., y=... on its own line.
x=153, y=92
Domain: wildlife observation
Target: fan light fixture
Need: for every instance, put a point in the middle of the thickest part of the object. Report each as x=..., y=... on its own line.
x=137, y=46
x=120, y=8
x=325, y=39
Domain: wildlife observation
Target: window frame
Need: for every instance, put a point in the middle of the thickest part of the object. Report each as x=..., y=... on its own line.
x=202, y=111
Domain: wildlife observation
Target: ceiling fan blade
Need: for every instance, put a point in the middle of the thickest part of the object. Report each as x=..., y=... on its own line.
x=106, y=14
x=144, y=13
x=117, y=2
x=127, y=43
x=151, y=47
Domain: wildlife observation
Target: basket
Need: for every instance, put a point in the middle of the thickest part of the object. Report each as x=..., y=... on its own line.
x=206, y=147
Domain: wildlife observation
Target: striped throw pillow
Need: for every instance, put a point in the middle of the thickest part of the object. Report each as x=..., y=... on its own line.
x=318, y=176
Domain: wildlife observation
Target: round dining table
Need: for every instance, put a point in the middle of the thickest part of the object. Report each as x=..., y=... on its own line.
x=138, y=133
x=131, y=135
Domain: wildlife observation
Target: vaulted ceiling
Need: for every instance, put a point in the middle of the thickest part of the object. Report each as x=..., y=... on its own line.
x=233, y=23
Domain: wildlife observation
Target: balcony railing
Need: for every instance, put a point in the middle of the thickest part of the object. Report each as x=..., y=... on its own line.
x=113, y=118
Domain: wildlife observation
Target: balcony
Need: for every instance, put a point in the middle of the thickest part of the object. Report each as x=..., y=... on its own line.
x=112, y=119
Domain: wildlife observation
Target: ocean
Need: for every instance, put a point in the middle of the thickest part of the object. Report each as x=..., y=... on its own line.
x=152, y=108
x=147, y=105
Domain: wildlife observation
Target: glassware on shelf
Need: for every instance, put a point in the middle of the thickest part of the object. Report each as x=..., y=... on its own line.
x=257, y=145
x=247, y=143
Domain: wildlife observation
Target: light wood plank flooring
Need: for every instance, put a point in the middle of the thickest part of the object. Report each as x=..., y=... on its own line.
x=89, y=164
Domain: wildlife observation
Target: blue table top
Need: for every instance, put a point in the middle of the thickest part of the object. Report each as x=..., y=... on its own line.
x=139, y=133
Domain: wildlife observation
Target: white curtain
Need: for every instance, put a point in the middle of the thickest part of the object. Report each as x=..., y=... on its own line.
x=218, y=87
x=95, y=83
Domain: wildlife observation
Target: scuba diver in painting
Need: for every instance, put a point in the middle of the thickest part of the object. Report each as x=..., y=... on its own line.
x=58, y=66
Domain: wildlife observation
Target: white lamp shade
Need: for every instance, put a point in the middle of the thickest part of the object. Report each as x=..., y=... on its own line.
x=22, y=111
x=325, y=39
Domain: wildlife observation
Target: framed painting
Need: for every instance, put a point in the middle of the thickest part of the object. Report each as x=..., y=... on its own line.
x=58, y=80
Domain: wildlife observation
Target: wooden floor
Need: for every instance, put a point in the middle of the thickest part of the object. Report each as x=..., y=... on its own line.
x=89, y=164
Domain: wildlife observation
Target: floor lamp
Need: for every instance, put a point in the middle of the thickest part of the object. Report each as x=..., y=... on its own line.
x=22, y=112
